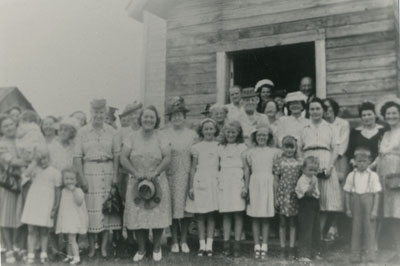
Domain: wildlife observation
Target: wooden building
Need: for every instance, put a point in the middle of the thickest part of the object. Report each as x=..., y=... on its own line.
x=199, y=48
x=12, y=97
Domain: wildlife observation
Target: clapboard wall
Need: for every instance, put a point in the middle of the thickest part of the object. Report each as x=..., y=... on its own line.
x=360, y=38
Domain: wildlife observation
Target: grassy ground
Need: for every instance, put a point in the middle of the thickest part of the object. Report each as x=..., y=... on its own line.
x=333, y=255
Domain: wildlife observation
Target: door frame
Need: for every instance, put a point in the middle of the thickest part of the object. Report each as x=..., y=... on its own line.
x=224, y=69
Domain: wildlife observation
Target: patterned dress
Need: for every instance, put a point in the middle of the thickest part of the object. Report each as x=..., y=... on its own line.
x=287, y=172
x=230, y=178
x=178, y=171
x=10, y=202
x=205, y=183
x=261, y=187
x=146, y=156
x=97, y=148
x=389, y=163
x=318, y=141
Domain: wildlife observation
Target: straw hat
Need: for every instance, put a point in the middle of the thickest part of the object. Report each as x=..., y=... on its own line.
x=176, y=105
x=248, y=93
x=70, y=121
x=130, y=108
x=296, y=96
x=147, y=193
x=98, y=104
x=262, y=83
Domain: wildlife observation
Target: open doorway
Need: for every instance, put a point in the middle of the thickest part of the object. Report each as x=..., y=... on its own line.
x=285, y=65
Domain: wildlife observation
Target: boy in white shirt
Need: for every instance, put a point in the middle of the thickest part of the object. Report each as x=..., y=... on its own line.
x=362, y=195
x=309, y=226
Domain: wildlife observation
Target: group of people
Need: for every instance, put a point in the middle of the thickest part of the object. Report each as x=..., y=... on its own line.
x=265, y=154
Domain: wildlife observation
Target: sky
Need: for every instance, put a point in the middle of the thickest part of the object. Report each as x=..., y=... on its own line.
x=63, y=53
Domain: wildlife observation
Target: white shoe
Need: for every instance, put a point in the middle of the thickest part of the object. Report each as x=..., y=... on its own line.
x=10, y=257
x=138, y=257
x=157, y=256
x=175, y=248
x=185, y=248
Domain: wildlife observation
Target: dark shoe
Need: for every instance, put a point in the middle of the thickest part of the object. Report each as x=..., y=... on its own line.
x=209, y=253
x=201, y=253
x=236, y=249
x=226, y=249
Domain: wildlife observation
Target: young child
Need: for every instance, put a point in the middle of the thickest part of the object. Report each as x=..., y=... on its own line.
x=41, y=203
x=362, y=196
x=203, y=184
x=72, y=216
x=260, y=186
x=232, y=192
x=287, y=170
x=309, y=225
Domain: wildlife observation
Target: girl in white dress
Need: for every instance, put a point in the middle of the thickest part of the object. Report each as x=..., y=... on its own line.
x=72, y=215
x=203, y=184
x=41, y=203
x=260, y=186
x=231, y=187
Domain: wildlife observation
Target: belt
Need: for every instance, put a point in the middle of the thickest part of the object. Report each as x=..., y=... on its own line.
x=315, y=148
x=105, y=160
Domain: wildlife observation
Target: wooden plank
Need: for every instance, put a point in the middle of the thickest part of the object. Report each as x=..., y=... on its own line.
x=388, y=60
x=192, y=38
x=274, y=7
x=350, y=99
x=320, y=67
x=268, y=41
x=362, y=86
x=190, y=50
x=223, y=64
x=368, y=74
x=178, y=21
x=190, y=89
x=185, y=79
x=359, y=40
x=196, y=68
x=359, y=29
x=201, y=99
x=295, y=15
x=192, y=59
x=308, y=24
x=361, y=50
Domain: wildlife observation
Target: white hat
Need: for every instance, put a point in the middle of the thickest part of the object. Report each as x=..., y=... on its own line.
x=264, y=82
x=70, y=121
x=296, y=96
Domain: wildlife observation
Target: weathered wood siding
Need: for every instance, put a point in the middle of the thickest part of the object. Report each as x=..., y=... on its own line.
x=396, y=8
x=361, y=59
x=155, y=31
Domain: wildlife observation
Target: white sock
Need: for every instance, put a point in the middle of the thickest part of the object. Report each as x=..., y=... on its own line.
x=264, y=247
x=202, y=244
x=43, y=255
x=257, y=247
x=209, y=244
x=77, y=258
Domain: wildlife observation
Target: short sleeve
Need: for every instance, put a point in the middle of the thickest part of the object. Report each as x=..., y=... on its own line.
x=116, y=143
x=128, y=142
x=194, y=151
x=301, y=188
x=57, y=178
x=78, y=149
x=276, y=168
x=349, y=182
x=375, y=183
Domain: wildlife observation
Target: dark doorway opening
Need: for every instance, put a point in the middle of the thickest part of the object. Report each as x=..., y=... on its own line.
x=285, y=65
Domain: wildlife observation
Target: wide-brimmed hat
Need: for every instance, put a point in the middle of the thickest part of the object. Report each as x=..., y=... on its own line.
x=218, y=106
x=147, y=193
x=206, y=110
x=383, y=100
x=130, y=108
x=70, y=121
x=262, y=83
x=176, y=105
x=296, y=96
x=98, y=104
x=248, y=93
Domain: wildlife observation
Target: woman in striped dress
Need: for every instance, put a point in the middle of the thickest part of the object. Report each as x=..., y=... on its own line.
x=10, y=202
x=96, y=157
x=318, y=139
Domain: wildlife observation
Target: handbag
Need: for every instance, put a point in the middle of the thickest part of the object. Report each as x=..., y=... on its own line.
x=113, y=204
x=392, y=181
x=9, y=179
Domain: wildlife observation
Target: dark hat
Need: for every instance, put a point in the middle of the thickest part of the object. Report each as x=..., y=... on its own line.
x=98, y=103
x=111, y=112
x=176, y=105
x=147, y=193
x=130, y=108
x=206, y=110
x=248, y=93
